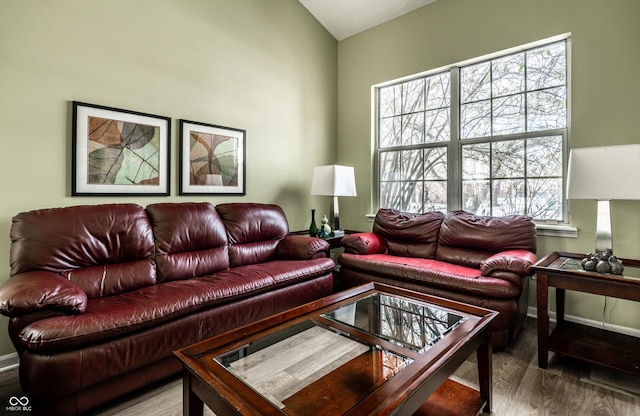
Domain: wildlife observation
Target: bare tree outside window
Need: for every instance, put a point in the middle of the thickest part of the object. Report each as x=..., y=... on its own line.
x=509, y=135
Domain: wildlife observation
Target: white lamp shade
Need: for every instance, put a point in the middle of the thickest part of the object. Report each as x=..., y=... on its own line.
x=333, y=180
x=604, y=173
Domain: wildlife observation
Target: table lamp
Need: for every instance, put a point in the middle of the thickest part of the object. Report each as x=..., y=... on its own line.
x=604, y=173
x=335, y=181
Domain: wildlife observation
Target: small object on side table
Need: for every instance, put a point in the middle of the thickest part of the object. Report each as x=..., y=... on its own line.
x=325, y=230
x=604, y=262
x=616, y=265
x=313, y=228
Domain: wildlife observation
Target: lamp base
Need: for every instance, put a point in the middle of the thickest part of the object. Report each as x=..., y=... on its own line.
x=604, y=241
x=603, y=261
x=334, y=213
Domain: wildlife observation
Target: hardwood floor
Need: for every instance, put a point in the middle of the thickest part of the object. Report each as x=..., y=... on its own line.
x=520, y=388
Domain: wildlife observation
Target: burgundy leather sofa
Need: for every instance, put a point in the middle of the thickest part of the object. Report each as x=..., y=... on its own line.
x=99, y=296
x=479, y=260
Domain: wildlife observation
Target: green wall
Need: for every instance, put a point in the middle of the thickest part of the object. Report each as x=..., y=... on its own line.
x=265, y=66
x=605, y=90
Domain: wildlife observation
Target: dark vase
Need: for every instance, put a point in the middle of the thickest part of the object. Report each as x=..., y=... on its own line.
x=313, y=228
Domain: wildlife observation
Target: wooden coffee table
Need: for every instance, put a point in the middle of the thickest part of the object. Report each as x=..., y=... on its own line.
x=374, y=349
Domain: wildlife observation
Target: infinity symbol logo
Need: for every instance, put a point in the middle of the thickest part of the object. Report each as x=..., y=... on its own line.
x=23, y=401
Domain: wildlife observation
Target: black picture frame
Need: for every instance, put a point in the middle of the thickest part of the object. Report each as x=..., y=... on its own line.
x=212, y=159
x=118, y=152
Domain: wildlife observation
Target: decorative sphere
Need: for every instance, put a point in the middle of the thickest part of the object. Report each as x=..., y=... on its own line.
x=603, y=267
x=616, y=268
x=584, y=262
x=616, y=265
x=590, y=265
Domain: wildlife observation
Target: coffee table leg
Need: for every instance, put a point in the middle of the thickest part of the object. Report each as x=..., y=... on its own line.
x=192, y=405
x=485, y=374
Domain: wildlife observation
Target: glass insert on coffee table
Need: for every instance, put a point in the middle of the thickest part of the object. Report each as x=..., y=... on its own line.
x=371, y=349
x=406, y=322
x=288, y=366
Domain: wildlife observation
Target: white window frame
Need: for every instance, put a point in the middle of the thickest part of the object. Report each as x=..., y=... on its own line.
x=454, y=146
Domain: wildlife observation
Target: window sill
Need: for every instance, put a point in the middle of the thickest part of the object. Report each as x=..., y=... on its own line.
x=546, y=230
x=555, y=230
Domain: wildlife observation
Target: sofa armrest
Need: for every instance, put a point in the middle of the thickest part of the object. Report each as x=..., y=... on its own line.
x=29, y=292
x=515, y=261
x=300, y=247
x=364, y=243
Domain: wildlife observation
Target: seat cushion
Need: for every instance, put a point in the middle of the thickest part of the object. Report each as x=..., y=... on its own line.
x=431, y=272
x=115, y=316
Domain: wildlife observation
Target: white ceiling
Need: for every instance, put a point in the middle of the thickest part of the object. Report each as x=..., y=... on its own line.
x=344, y=18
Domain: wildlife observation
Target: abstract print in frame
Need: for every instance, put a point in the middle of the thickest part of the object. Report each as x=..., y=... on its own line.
x=119, y=152
x=212, y=159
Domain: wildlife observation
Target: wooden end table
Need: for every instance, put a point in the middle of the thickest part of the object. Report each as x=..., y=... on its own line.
x=595, y=345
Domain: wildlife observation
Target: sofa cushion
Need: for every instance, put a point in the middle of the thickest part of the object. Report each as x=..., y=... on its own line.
x=116, y=316
x=409, y=235
x=490, y=234
x=432, y=273
x=105, y=249
x=254, y=231
x=190, y=239
x=469, y=239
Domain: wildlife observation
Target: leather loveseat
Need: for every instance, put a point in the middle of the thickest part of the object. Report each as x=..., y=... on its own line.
x=99, y=296
x=480, y=260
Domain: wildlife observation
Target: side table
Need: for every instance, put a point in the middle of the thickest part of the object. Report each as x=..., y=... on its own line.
x=563, y=271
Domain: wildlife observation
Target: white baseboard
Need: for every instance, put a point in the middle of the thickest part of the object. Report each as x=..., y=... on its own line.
x=532, y=312
x=9, y=361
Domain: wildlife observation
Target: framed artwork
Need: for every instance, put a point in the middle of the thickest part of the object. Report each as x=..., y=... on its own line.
x=119, y=152
x=212, y=159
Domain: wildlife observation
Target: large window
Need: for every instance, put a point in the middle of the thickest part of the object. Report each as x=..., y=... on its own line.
x=488, y=137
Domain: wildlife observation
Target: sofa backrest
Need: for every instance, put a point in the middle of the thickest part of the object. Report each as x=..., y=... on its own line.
x=469, y=239
x=254, y=231
x=104, y=249
x=409, y=235
x=190, y=239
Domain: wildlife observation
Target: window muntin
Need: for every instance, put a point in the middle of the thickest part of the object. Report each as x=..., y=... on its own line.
x=508, y=140
x=515, y=93
x=414, y=129
x=516, y=176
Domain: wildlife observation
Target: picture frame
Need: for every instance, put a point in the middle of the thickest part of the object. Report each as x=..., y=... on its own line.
x=212, y=159
x=118, y=152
